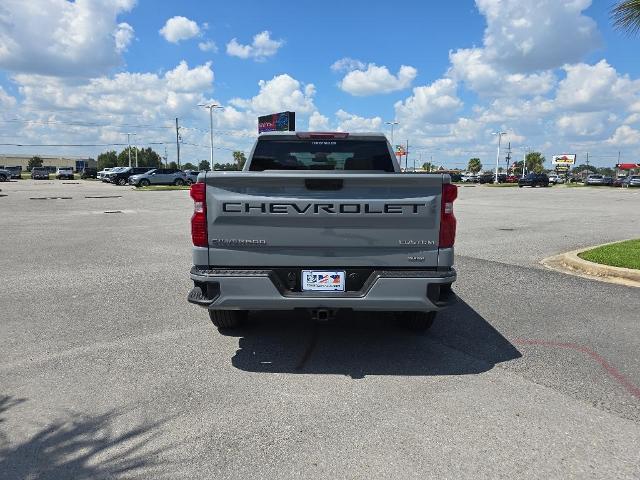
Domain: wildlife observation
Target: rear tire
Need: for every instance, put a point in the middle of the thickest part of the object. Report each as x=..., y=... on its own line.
x=228, y=319
x=417, y=321
x=179, y=182
x=3, y=178
x=144, y=182
x=122, y=182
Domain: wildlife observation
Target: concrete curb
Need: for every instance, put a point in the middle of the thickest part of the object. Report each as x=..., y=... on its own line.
x=572, y=264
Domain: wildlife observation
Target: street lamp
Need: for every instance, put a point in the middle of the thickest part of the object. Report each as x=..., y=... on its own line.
x=524, y=160
x=211, y=106
x=499, y=134
x=392, y=124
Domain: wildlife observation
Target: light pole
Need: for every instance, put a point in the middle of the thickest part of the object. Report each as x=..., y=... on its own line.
x=524, y=160
x=211, y=106
x=129, y=148
x=392, y=124
x=499, y=134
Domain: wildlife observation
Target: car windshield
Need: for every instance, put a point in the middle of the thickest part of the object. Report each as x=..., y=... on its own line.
x=321, y=154
x=150, y=171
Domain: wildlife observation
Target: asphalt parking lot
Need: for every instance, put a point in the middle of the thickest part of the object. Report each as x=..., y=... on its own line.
x=107, y=371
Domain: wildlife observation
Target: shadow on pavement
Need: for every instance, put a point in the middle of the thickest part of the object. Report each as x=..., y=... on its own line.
x=359, y=344
x=78, y=447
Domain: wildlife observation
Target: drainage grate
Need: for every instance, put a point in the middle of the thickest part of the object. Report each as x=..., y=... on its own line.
x=71, y=183
x=103, y=196
x=113, y=211
x=507, y=229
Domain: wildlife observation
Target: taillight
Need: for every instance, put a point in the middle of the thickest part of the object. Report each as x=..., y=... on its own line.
x=199, y=219
x=447, y=218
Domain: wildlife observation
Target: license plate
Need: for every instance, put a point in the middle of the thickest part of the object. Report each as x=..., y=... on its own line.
x=321, y=280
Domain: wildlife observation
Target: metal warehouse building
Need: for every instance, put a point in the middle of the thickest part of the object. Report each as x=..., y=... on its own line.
x=78, y=163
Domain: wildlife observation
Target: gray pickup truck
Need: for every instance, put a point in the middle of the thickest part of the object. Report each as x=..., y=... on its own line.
x=322, y=222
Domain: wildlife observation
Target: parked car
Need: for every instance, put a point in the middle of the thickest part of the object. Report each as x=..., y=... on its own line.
x=469, y=178
x=103, y=172
x=486, y=178
x=64, y=173
x=89, y=172
x=121, y=176
x=607, y=180
x=555, y=178
x=512, y=178
x=159, y=176
x=455, y=177
x=192, y=176
x=534, y=180
x=16, y=172
x=5, y=175
x=40, y=173
x=109, y=175
x=632, y=181
x=594, y=179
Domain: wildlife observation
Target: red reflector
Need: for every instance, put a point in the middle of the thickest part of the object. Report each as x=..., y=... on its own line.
x=199, y=234
x=447, y=218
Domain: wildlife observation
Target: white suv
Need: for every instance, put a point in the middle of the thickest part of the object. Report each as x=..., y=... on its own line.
x=64, y=173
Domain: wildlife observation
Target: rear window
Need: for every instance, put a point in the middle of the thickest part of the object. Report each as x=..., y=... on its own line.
x=321, y=154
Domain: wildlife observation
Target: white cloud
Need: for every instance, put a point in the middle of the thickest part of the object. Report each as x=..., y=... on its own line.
x=183, y=79
x=471, y=66
x=595, y=87
x=377, y=79
x=530, y=36
x=6, y=100
x=123, y=35
x=263, y=46
x=625, y=135
x=347, y=64
x=349, y=122
x=58, y=37
x=281, y=93
x=208, y=46
x=435, y=103
x=587, y=125
x=179, y=28
x=318, y=122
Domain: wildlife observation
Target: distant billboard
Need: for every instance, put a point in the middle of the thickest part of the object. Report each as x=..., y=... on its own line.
x=277, y=122
x=565, y=159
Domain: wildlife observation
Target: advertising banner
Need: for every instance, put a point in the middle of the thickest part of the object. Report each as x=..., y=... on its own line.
x=277, y=122
x=564, y=159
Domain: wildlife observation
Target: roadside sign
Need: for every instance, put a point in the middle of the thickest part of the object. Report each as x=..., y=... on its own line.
x=627, y=166
x=564, y=159
x=277, y=122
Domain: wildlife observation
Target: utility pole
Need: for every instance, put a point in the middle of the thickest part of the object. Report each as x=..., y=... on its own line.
x=508, y=157
x=524, y=161
x=499, y=134
x=165, y=157
x=587, y=159
x=178, y=141
x=129, y=147
x=406, y=158
x=392, y=124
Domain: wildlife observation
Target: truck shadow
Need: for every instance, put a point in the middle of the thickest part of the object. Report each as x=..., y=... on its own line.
x=358, y=344
x=81, y=447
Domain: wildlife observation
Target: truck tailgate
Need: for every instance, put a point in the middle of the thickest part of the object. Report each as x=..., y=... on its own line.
x=320, y=219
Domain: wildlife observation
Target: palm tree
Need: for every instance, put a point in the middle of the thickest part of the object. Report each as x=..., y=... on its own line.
x=626, y=15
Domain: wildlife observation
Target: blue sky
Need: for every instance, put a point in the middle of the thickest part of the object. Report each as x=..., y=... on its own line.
x=555, y=75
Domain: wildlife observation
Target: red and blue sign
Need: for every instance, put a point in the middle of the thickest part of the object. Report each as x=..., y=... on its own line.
x=277, y=122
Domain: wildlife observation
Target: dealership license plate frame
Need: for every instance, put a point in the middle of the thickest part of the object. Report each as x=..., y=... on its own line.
x=316, y=285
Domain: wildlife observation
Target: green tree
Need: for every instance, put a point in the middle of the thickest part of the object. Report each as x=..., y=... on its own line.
x=173, y=165
x=474, y=165
x=147, y=157
x=535, y=162
x=204, y=165
x=35, y=161
x=582, y=167
x=189, y=166
x=607, y=171
x=428, y=166
x=239, y=159
x=626, y=15
x=107, y=159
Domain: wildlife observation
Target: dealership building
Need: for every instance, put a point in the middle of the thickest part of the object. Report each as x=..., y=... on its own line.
x=78, y=163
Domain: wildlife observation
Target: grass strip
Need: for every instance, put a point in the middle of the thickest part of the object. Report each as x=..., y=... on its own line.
x=623, y=254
